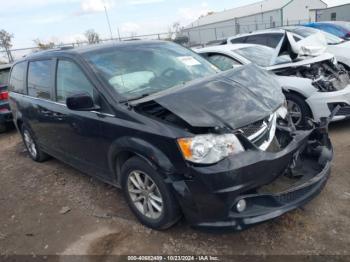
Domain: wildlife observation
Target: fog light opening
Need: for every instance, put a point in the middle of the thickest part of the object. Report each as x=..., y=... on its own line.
x=241, y=205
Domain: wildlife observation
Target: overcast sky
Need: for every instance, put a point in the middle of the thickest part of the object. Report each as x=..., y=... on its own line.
x=67, y=20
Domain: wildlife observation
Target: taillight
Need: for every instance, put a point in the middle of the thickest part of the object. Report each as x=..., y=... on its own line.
x=4, y=95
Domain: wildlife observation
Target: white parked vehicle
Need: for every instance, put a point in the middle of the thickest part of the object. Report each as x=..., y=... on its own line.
x=313, y=86
x=272, y=37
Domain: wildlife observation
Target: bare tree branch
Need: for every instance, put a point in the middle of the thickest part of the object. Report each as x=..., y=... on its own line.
x=5, y=43
x=44, y=46
x=92, y=36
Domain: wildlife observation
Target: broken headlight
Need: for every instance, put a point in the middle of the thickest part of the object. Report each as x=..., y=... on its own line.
x=209, y=149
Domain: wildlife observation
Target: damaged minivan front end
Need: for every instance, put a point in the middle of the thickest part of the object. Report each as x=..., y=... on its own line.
x=244, y=161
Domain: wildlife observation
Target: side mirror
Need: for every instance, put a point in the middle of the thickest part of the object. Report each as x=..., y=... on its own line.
x=80, y=102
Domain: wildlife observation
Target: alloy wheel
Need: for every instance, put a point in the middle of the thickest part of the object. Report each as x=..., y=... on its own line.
x=295, y=112
x=28, y=140
x=145, y=195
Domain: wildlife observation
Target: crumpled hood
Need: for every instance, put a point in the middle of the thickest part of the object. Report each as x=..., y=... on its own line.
x=234, y=98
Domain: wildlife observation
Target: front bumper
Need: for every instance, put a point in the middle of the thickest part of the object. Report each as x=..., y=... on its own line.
x=208, y=199
x=320, y=101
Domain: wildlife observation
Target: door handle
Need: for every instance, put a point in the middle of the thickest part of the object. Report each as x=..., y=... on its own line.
x=45, y=112
x=58, y=116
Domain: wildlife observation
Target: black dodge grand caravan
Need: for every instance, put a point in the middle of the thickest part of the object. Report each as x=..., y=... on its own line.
x=178, y=136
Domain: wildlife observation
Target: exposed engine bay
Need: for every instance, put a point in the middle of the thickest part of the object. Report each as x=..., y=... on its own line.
x=270, y=134
x=326, y=76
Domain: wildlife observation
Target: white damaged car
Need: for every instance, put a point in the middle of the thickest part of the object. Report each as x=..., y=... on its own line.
x=313, y=86
x=272, y=37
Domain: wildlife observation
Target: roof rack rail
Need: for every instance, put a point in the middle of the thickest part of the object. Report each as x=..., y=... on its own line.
x=67, y=47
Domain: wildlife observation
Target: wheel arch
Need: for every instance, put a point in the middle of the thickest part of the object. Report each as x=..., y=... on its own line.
x=301, y=96
x=127, y=147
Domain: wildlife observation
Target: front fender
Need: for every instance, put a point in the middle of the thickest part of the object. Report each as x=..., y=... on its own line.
x=145, y=150
x=300, y=85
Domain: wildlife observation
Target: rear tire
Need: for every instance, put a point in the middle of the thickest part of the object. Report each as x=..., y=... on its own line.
x=32, y=146
x=148, y=196
x=298, y=109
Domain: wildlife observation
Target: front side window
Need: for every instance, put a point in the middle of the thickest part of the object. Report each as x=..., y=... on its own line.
x=274, y=39
x=39, y=79
x=17, y=78
x=222, y=62
x=262, y=55
x=135, y=70
x=71, y=80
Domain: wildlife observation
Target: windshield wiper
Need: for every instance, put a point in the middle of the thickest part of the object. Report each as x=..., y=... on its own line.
x=134, y=98
x=338, y=43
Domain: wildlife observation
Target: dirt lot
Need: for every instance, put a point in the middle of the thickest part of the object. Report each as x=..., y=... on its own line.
x=33, y=197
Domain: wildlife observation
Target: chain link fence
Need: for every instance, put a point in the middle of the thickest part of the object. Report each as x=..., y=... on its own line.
x=207, y=34
x=196, y=36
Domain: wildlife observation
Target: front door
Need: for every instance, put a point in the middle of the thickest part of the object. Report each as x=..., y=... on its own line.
x=77, y=133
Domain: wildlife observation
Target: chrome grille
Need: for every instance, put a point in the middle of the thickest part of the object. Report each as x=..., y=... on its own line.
x=261, y=132
x=253, y=128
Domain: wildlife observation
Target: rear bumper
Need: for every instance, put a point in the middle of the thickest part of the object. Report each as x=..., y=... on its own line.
x=5, y=115
x=209, y=199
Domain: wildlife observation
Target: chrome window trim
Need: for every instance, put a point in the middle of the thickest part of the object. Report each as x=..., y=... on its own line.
x=62, y=104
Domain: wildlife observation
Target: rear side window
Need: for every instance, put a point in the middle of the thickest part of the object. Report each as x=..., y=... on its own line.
x=238, y=40
x=17, y=78
x=71, y=80
x=270, y=40
x=39, y=79
x=257, y=39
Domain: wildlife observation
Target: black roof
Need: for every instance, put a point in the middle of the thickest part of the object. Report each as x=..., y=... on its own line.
x=91, y=48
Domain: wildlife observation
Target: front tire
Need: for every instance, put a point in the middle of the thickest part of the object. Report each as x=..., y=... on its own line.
x=298, y=110
x=148, y=196
x=30, y=143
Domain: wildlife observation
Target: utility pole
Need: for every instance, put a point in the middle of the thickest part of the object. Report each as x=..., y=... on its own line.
x=108, y=22
x=119, y=34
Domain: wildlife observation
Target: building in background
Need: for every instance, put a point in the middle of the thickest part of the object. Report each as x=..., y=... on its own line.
x=257, y=16
x=336, y=13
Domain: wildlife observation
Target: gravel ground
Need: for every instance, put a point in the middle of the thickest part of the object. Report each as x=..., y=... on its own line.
x=51, y=208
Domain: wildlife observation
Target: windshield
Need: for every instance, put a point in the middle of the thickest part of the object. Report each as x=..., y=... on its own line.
x=345, y=25
x=306, y=32
x=4, y=76
x=261, y=55
x=138, y=70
